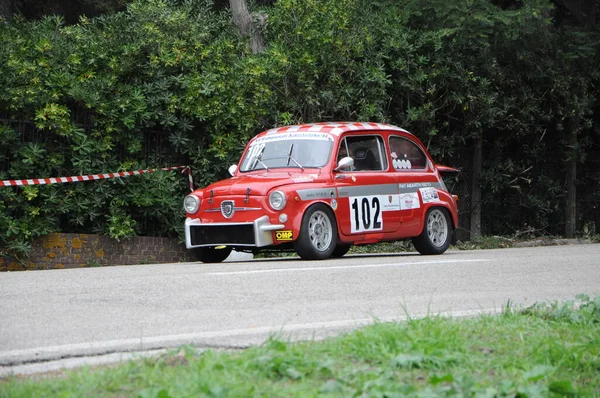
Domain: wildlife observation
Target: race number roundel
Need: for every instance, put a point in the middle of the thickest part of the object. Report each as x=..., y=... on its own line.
x=365, y=214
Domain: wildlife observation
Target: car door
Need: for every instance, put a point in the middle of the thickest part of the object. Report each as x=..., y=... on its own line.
x=412, y=172
x=368, y=194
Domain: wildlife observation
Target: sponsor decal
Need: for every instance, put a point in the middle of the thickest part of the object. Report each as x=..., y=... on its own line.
x=310, y=194
x=334, y=204
x=353, y=179
x=283, y=235
x=429, y=195
x=389, y=202
x=409, y=201
x=306, y=178
x=403, y=164
x=416, y=185
x=293, y=136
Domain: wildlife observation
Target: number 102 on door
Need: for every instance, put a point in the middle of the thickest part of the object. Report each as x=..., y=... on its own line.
x=365, y=214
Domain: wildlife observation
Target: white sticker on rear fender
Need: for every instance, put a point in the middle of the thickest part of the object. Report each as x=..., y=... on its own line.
x=429, y=195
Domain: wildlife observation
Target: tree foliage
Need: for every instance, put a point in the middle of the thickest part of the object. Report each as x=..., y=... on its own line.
x=166, y=83
x=151, y=87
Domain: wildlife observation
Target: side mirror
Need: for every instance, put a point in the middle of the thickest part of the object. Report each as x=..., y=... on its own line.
x=232, y=169
x=344, y=163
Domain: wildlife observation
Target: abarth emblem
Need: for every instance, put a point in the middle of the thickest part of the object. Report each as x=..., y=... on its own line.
x=227, y=208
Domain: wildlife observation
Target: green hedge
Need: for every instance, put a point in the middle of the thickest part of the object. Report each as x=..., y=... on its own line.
x=165, y=84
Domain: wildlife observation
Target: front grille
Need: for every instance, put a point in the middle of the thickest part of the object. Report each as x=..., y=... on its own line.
x=240, y=234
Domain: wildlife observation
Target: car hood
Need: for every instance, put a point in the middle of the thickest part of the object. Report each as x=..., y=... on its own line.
x=259, y=184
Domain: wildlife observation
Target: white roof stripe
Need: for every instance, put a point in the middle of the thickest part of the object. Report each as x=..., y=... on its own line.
x=333, y=128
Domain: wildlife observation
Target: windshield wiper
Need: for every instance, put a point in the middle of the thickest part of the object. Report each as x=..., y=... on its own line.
x=262, y=163
x=258, y=159
x=289, y=157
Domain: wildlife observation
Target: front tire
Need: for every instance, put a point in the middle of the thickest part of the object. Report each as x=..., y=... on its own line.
x=210, y=254
x=318, y=233
x=340, y=250
x=437, y=232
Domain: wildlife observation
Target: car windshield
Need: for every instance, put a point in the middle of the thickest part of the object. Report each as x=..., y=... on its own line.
x=297, y=150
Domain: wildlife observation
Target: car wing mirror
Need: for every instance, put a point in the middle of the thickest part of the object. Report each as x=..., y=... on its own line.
x=344, y=163
x=446, y=171
x=232, y=169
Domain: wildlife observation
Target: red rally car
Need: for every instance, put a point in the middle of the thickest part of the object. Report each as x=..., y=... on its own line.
x=319, y=189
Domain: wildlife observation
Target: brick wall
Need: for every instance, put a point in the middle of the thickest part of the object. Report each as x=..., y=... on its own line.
x=55, y=251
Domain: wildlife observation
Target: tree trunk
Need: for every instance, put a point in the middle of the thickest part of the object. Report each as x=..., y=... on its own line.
x=245, y=25
x=571, y=202
x=6, y=9
x=476, y=189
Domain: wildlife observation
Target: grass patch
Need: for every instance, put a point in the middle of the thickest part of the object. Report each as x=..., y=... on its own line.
x=542, y=351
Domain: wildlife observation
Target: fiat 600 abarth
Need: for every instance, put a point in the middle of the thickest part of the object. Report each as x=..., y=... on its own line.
x=320, y=188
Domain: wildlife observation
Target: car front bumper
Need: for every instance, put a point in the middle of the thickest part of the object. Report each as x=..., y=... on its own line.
x=252, y=234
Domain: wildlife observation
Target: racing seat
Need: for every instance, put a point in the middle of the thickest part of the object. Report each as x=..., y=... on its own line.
x=364, y=159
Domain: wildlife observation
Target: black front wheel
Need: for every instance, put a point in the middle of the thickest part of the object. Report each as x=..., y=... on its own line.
x=437, y=232
x=341, y=250
x=210, y=254
x=318, y=233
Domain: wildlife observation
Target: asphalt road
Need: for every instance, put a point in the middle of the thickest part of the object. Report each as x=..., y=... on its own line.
x=85, y=313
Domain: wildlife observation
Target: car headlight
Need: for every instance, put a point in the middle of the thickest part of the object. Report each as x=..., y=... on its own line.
x=277, y=200
x=191, y=204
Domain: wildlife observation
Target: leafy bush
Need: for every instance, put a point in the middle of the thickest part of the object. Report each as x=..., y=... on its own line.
x=170, y=83
x=158, y=85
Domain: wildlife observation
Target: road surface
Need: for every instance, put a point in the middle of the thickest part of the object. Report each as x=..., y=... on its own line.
x=84, y=313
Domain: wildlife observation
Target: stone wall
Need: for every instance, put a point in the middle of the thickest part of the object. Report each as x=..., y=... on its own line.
x=57, y=250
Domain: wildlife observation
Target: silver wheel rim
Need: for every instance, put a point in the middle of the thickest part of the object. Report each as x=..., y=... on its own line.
x=320, y=231
x=437, y=228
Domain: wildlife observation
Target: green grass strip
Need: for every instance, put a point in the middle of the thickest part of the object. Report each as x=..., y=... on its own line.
x=545, y=350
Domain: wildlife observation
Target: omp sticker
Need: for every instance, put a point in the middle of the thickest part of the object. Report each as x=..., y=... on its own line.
x=409, y=201
x=429, y=195
x=283, y=235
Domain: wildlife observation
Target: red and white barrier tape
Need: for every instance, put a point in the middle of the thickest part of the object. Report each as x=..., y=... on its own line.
x=92, y=177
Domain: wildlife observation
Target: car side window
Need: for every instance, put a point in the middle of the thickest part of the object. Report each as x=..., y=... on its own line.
x=367, y=151
x=406, y=155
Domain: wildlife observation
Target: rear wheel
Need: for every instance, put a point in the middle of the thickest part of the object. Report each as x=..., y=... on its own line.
x=318, y=234
x=210, y=254
x=437, y=232
x=340, y=250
